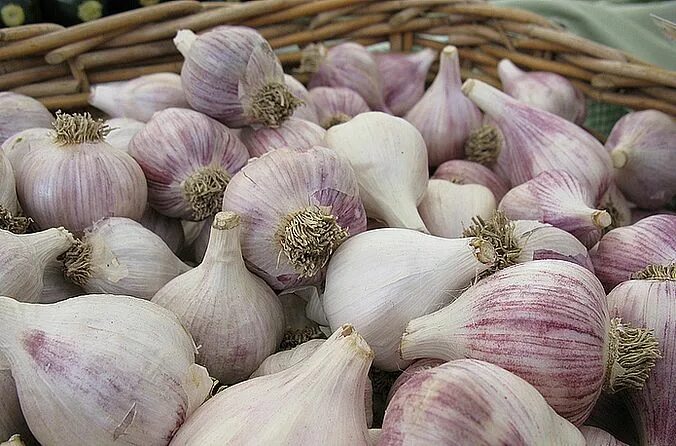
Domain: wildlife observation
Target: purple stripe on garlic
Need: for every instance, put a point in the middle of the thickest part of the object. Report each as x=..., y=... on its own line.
x=403, y=77
x=293, y=133
x=336, y=105
x=468, y=172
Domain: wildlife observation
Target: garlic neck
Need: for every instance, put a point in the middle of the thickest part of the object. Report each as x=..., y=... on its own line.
x=656, y=272
x=404, y=216
x=273, y=104
x=49, y=244
x=632, y=353
x=13, y=223
x=204, y=190
x=449, y=67
x=77, y=262
x=308, y=238
x=106, y=97
x=78, y=128
x=428, y=337
x=508, y=72
x=483, y=145
x=184, y=40
x=224, y=240
x=620, y=157
x=9, y=319
x=496, y=234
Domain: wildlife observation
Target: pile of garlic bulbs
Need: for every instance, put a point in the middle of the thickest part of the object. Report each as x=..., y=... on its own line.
x=234, y=259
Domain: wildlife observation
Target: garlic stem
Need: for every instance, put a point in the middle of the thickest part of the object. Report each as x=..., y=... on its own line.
x=78, y=128
x=508, y=71
x=601, y=219
x=184, y=40
x=273, y=103
x=50, y=243
x=224, y=243
x=428, y=337
x=619, y=157
x=449, y=67
x=204, y=190
x=106, y=97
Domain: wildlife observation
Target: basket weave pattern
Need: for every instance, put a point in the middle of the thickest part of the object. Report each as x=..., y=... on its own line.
x=57, y=65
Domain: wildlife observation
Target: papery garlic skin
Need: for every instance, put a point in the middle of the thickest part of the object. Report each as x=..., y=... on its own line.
x=11, y=418
x=23, y=259
x=403, y=77
x=14, y=440
x=93, y=370
x=293, y=133
x=168, y=229
x=523, y=141
x=21, y=112
x=235, y=318
x=336, y=105
x=627, y=250
x=389, y=158
x=323, y=402
x=55, y=286
x=468, y=172
x=417, y=366
x=558, y=198
x=298, y=328
x=382, y=279
x=122, y=130
x=119, y=256
x=352, y=66
x=598, y=437
x=614, y=202
x=188, y=159
x=296, y=207
x=444, y=116
x=139, y=98
x=642, y=146
x=9, y=203
x=473, y=402
x=18, y=145
x=652, y=302
x=544, y=90
x=447, y=208
x=307, y=110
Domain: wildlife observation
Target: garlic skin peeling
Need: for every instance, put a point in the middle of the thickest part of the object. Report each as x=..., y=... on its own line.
x=323, y=402
x=403, y=76
x=468, y=172
x=469, y=402
x=11, y=418
x=532, y=320
x=297, y=207
x=93, y=370
x=336, y=105
x=293, y=133
x=389, y=158
x=23, y=259
x=235, y=318
x=21, y=112
x=598, y=437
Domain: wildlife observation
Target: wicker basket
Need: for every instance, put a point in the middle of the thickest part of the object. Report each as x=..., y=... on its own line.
x=58, y=65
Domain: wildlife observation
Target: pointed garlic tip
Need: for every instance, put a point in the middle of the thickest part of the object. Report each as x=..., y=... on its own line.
x=632, y=354
x=106, y=98
x=204, y=190
x=347, y=331
x=226, y=220
x=449, y=50
x=619, y=158
x=601, y=219
x=184, y=40
x=468, y=86
x=507, y=70
x=483, y=145
x=656, y=272
x=78, y=128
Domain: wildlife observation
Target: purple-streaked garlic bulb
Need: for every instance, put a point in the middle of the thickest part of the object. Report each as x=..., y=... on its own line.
x=101, y=370
x=598, y=437
x=546, y=321
x=188, y=159
x=122, y=130
x=119, y=256
x=77, y=178
x=307, y=109
x=469, y=402
x=642, y=146
x=388, y=156
x=410, y=371
x=168, y=229
x=231, y=74
x=296, y=208
x=352, y=66
x=650, y=300
x=325, y=393
x=522, y=141
x=468, y=172
x=18, y=145
x=624, y=251
x=448, y=209
x=614, y=202
x=444, y=116
x=403, y=76
x=11, y=418
x=139, y=98
x=233, y=315
x=544, y=90
x=336, y=105
x=293, y=133
x=558, y=198
x=21, y=112
x=639, y=214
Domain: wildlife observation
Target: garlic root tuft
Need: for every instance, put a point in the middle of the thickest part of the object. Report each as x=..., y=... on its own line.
x=16, y=224
x=337, y=119
x=483, y=145
x=78, y=128
x=204, y=191
x=656, y=272
x=311, y=57
x=77, y=262
x=294, y=338
x=498, y=232
x=273, y=104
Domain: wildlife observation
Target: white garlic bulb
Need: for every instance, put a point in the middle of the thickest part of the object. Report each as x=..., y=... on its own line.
x=18, y=145
x=122, y=130
x=21, y=112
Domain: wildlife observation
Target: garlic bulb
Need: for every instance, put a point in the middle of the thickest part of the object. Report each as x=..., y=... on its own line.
x=101, y=370
x=18, y=145
x=231, y=74
x=524, y=141
x=598, y=437
x=55, y=286
x=122, y=130
x=170, y=230
x=642, y=146
x=619, y=208
x=389, y=158
x=23, y=259
x=199, y=245
x=11, y=418
x=119, y=256
x=558, y=198
x=323, y=402
x=469, y=402
x=78, y=178
x=293, y=133
x=625, y=251
x=447, y=208
x=307, y=109
x=297, y=207
x=21, y=112
x=382, y=279
x=298, y=328
x=235, y=318
x=10, y=220
x=352, y=66
x=403, y=77
x=650, y=300
x=139, y=98
x=546, y=321
x=444, y=116
x=188, y=159
x=468, y=172
x=336, y=105
x=410, y=371
x=544, y=90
